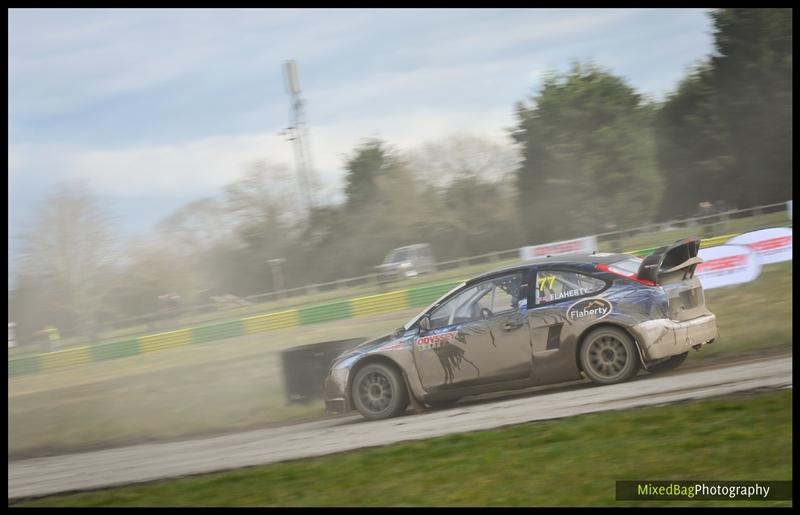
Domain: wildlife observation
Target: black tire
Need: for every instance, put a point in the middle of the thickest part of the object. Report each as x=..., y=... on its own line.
x=668, y=364
x=609, y=356
x=379, y=392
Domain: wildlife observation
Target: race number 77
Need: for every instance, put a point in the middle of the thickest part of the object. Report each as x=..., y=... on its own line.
x=544, y=280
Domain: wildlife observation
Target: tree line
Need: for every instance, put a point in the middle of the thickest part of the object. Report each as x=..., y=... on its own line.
x=587, y=154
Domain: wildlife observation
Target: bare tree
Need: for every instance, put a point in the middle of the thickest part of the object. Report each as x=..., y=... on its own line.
x=196, y=226
x=458, y=157
x=266, y=194
x=69, y=246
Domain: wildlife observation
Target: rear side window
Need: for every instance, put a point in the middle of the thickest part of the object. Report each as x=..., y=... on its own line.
x=626, y=266
x=558, y=285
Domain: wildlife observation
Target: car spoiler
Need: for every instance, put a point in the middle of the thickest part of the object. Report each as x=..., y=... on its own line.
x=671, y=263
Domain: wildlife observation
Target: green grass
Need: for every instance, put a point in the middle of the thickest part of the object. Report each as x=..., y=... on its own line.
x=571, y=462
x=756, y=315
x=626, y=244
x=238, y=383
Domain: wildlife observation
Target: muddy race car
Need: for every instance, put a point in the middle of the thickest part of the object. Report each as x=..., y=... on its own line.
x=600, y=316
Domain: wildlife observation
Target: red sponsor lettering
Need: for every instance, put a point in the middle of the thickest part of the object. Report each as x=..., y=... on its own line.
x=436, y=338
x=770, y=244
x=722, y=263
x=567, y=246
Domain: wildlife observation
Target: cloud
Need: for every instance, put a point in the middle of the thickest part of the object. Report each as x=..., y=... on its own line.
x=206, y=165
x=91, y=56
x=540, y=25
x=169, y=104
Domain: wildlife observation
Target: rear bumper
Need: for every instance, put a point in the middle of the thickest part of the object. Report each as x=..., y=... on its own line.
x=663, y=338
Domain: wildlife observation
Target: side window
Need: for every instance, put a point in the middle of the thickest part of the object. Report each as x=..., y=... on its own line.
x=557, y=285
x=497, y=295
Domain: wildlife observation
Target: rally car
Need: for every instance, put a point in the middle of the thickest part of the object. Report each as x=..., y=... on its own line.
x=601, y=316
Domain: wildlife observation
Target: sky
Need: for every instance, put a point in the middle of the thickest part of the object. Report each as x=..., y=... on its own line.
x=153, y=108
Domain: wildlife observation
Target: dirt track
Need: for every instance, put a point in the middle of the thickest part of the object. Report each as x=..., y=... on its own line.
x=91, y=470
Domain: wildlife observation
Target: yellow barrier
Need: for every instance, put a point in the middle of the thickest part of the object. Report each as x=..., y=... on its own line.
x=381, y=303
x=165, y=340
x=65, y=358
x=716, y=240
x=271, y=321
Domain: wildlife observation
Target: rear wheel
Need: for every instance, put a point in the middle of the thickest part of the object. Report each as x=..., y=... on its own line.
x=379, y=392
x=608, y=356
x=668, y=364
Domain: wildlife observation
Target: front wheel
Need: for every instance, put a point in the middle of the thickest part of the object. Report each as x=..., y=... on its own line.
x=668, y=364
x=379, y=392
x=608, y=356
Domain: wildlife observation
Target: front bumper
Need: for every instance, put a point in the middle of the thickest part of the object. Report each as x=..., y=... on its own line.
x=663, y=338
x=334, y=391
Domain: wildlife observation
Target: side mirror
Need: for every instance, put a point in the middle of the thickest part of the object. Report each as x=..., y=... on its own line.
x=425, y=323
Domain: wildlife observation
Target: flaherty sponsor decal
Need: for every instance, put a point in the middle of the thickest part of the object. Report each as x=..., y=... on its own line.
x=590, y=309
x=435, y=340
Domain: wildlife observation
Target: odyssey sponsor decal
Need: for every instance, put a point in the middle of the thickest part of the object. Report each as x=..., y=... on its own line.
x=725, y=265
x=589, y=309
x=773, y=245
x=435, y=340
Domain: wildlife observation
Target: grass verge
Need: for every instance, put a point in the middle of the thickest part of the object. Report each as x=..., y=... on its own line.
x=570, y=462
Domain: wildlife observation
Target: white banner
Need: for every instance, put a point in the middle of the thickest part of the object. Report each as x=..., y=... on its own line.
x=773, y=245
x=581, y=245
x=727, y=264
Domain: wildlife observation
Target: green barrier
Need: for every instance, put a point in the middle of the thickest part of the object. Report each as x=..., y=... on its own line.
x=25, y=365
x=643, y=252
x=424, y=295
x=217, y=331
x=324, y=312
x=113, y=350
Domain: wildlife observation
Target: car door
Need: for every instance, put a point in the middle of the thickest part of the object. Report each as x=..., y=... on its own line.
x=553, y=337
x=478, y=336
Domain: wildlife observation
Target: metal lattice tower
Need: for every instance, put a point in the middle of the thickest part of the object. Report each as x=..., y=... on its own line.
x=297, y=133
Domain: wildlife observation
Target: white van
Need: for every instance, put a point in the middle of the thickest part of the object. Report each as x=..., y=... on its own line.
x=408, y=261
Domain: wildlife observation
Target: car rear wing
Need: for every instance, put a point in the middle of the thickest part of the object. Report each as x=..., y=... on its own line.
x=672, y=263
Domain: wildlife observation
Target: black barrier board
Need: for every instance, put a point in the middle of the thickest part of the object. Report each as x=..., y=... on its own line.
x=305, y=367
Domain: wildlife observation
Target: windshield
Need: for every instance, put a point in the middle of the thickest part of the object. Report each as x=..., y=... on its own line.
x=396, y=256
x=413, y=321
